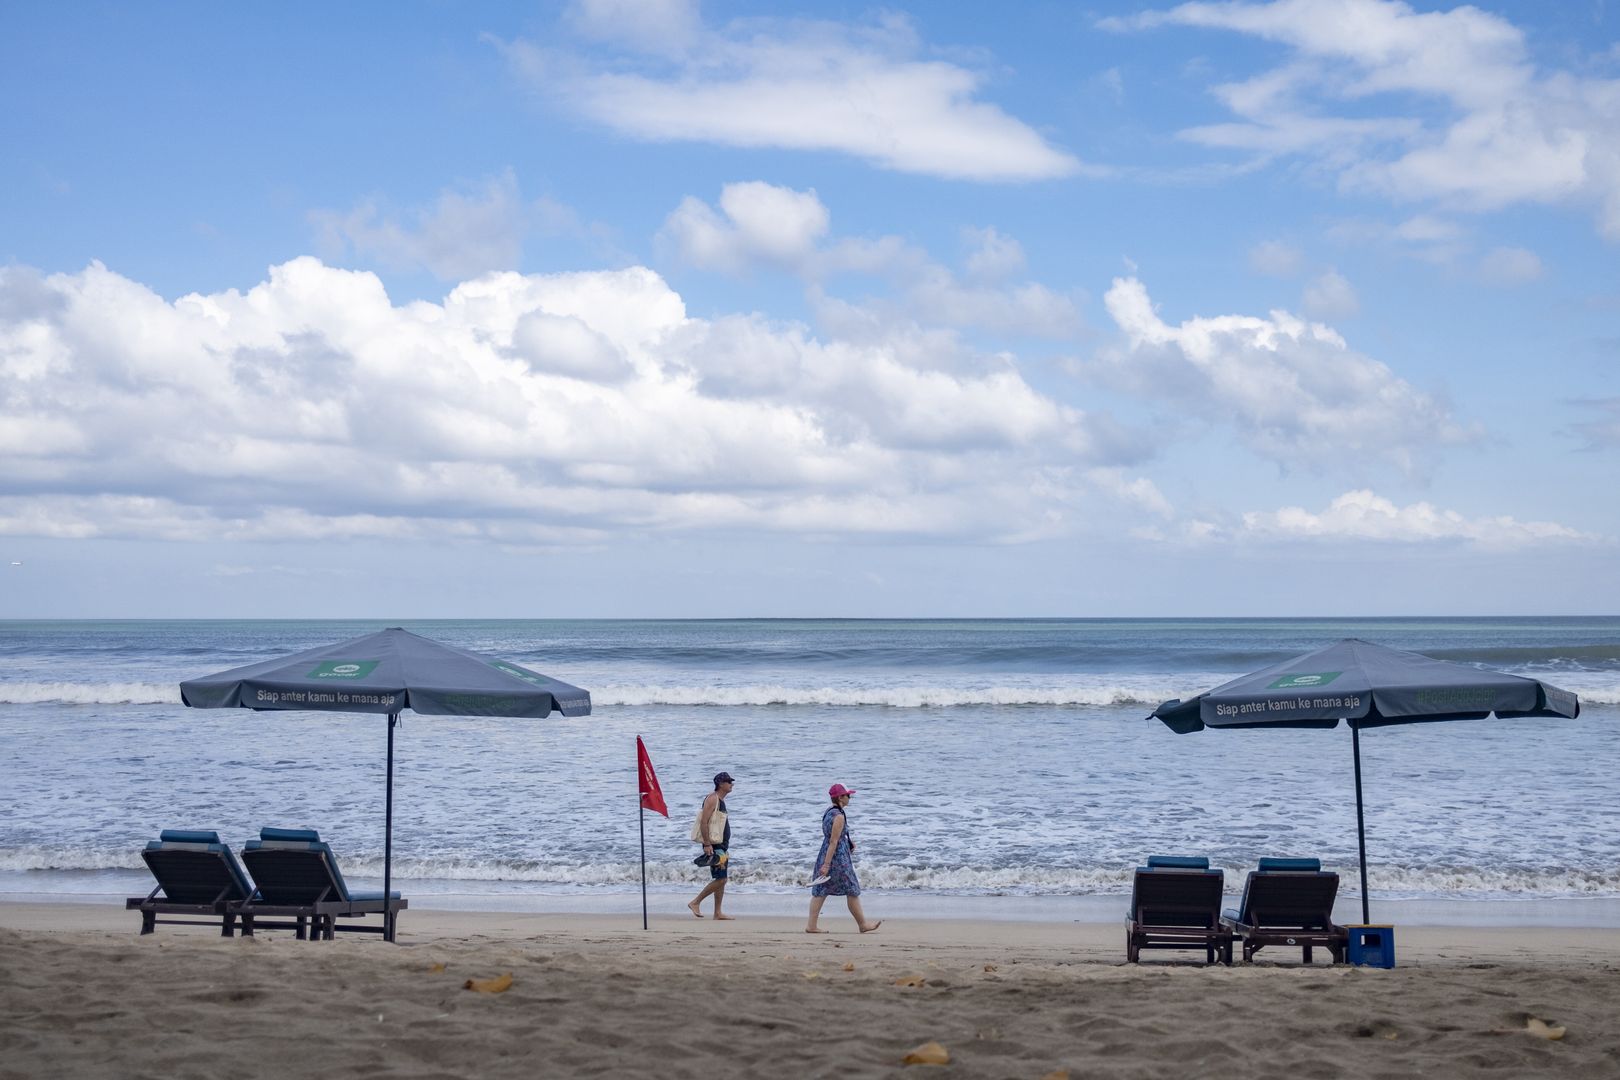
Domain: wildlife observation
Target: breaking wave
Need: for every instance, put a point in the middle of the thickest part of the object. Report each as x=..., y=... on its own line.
x=1393, y=881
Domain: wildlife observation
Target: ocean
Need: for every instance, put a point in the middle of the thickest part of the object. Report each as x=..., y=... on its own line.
x=1000, y=764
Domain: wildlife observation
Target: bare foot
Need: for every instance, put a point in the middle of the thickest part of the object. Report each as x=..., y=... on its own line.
x=874, y=926
x=693, y=908
x=813, y=930
x=717, y=915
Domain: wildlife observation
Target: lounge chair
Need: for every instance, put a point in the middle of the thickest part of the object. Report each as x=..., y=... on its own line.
x=1288, y=902
x=298, y=878
x=197, y=875
x=1176, y=904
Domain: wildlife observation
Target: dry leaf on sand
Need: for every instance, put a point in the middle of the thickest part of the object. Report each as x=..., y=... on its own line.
x=849, y=966
x=1542, y=1029
x=435, y=969
x=992, y=967
x=911, y=980
x=500, y=984
x=929, y=1053
x=812, y=974
x=1057, y=1074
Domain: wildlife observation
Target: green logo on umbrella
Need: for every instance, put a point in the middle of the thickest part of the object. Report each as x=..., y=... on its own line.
x=1303, y=681
x=343, y=669
x=518, y=673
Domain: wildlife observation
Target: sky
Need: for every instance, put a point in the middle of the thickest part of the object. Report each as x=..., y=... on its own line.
x=657, y=308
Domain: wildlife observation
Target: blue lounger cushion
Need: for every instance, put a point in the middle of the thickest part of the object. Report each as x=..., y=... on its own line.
x=310, y=840
x=204, y=840
x=1296, y=865
x=1178, y=862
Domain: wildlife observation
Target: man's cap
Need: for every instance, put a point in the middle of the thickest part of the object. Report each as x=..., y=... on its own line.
x=838, y=791
x=723, y=778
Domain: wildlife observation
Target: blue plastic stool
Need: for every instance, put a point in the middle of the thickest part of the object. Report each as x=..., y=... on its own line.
x=1371, y=946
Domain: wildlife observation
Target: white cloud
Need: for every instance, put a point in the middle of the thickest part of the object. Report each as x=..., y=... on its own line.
x=521, y=409
x=1292, y=390
x=1602, y=432
x=1330, y=296
x=1364, y=516
x=1276, y=258
x=995, y=256
x=800, y=85
x=1510, y=266
x=760, y=222
x=461, y=235
x=650, y=26
x=763, y=224
x=1510, y=133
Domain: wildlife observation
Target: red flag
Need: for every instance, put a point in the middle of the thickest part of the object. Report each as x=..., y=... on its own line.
x=652, y=796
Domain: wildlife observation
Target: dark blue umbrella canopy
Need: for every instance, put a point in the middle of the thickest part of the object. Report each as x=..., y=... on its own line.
x=1369, y=686
x=1365, y=685
x=388, y=672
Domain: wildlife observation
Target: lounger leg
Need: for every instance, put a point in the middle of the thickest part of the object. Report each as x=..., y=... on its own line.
x=148, y=921
x=247, y=926
x=331, y=928
x=1307, y=954
x=228, y=929
x=1132, y=953
x=299, y=930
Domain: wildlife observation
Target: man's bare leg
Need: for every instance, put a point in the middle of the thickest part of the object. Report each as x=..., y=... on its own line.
x=708, y=890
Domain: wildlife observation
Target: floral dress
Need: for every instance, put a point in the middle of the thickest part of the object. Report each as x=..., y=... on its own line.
x=843, y=881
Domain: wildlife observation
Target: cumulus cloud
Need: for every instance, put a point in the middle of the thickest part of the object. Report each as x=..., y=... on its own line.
x=1510, y=266
x=758, y=224
x=1603, y=430
x=649, y=26
x=1330, y=296
x=1365, y=516
x=520, y=409
x=995, y=256
x=1277, y=259
x=806, y=85
x=463, y=234
x=1292, y=390
x=1510, y=133
x=755, y=222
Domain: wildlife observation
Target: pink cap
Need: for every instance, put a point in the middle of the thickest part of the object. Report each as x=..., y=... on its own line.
x=838, y=791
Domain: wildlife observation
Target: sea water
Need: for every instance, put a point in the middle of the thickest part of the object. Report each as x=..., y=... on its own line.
x=1000, y=764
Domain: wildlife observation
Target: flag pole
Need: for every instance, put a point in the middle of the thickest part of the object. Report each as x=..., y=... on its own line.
x=641, y=820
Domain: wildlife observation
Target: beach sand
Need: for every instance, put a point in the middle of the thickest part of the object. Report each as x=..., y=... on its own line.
x=82, y=995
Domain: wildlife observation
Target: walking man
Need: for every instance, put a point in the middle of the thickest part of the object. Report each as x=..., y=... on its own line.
x=714, y=832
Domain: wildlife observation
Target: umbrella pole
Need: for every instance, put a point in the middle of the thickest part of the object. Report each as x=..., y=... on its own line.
x=1361, y=823
x=388, y=834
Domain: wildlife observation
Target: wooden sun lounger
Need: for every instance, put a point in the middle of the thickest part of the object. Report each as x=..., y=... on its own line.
x=199, y=878
x=1176, y=904
x=1289, y=902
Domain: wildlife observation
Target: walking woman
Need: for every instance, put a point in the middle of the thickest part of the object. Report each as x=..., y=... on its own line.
x=834, y=872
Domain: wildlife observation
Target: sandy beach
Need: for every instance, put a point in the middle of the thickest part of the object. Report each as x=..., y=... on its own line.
x=83, y=994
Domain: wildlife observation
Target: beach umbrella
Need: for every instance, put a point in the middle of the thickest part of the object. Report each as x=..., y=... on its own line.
x=1365, y=685
x=388, y=672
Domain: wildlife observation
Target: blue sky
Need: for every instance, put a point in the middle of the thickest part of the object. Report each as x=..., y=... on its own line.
x=636, y=308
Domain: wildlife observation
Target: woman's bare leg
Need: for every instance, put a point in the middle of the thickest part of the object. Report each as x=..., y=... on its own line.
x=860, y=916
x=815, y=913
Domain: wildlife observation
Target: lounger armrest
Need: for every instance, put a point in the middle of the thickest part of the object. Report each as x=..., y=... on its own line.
x=394, y=895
